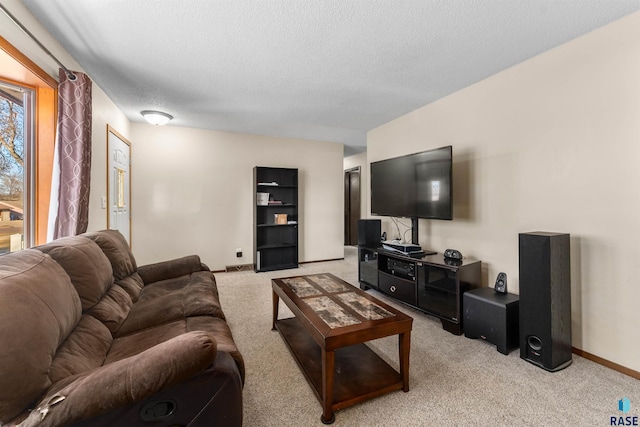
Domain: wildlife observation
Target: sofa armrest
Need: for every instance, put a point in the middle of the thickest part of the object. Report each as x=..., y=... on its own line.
x=126, y=381
x=211, y=397
x=170, y=269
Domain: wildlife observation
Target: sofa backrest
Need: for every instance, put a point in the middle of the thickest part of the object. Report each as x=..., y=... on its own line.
x=125, y=268
x=86, y=265
x=91, y=274
x=116, y=248
x=39, y=308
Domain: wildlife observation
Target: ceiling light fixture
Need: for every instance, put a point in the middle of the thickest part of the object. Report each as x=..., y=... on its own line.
x=156, y=117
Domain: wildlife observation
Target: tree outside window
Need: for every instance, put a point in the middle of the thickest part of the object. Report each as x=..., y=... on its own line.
x=12, y=170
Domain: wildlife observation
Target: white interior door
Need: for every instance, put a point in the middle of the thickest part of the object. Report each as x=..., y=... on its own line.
x=118, y=183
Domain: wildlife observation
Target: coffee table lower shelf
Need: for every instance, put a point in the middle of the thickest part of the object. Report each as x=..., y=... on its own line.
x=359, y=374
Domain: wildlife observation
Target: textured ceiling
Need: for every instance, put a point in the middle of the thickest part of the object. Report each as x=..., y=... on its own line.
x=327, y=70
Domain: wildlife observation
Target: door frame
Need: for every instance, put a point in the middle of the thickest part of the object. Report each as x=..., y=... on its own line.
x=115, y=133
x=348, y=211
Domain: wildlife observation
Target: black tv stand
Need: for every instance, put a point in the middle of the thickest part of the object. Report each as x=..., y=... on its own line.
x=431, y=283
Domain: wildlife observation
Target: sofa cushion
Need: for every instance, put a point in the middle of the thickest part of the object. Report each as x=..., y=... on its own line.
x=221, y=331
x=132, y=284
x=174, y=299
x=135, y=343
x=83, y=350
x=116, y=248
x=113, y=308
x=202, y=296
x=39, y=308
x=86, y=264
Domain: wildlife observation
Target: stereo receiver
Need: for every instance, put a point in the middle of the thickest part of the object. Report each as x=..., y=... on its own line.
x=401, y=268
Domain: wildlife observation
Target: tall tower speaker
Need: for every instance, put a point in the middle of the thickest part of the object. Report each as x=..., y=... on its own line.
x=369, y=231
x=545, y=299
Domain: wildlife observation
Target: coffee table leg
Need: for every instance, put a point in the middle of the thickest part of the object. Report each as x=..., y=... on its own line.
x=328, y=368
x=276, y=301
x=404, y=344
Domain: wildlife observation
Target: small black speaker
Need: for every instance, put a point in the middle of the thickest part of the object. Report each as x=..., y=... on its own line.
x=501, y=283
x=452, y=254
x=369, y=232
x=545, y=299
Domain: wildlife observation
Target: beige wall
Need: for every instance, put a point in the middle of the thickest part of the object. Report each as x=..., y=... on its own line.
x=104, y=112
x=551, y=144
x=193, y=193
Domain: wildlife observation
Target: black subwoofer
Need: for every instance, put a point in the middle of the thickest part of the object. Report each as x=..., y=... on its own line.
x=369, y=231
x=492, y=316
x=545, y=299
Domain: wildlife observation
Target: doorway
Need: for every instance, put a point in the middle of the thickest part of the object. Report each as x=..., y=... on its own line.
x=118, y=201
x=351, y=205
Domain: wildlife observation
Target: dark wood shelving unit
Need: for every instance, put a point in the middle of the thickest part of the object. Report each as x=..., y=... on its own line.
x=275, y=245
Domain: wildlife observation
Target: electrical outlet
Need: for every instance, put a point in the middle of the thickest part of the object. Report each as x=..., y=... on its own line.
x=239, y=252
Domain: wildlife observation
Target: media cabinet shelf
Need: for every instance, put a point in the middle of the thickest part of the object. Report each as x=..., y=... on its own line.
x=432, y=284
x=275, y=246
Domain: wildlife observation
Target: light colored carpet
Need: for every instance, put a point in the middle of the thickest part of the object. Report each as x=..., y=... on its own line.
x=454, y=380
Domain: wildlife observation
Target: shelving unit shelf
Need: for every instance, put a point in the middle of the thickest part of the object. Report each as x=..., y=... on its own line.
x=275, y=218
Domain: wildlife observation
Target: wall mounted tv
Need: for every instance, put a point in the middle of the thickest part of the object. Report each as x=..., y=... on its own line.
x=415, y=186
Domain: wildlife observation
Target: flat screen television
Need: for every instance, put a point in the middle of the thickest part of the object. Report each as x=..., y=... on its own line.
x=414, y=186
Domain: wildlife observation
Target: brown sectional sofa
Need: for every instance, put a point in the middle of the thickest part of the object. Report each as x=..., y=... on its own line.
x=88, y=338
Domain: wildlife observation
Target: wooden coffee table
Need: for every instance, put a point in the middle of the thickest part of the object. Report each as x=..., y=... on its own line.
x=333, y=320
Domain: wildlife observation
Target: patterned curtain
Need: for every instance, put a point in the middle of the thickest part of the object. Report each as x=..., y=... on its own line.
x=69, y=209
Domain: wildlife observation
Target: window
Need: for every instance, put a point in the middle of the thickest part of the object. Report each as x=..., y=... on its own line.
x=28, y=97
x=16, y=167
